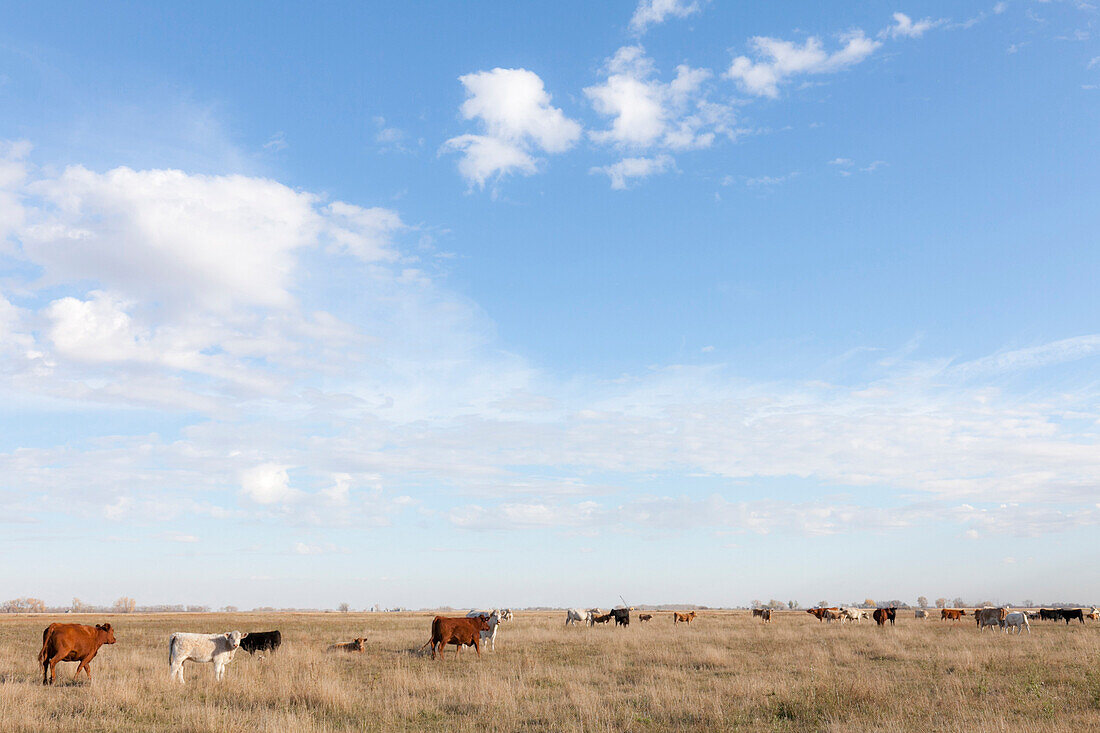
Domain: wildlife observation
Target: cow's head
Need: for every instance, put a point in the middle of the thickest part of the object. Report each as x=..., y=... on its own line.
x=108, y=632
x=234, y=639
x=358, y=644
x=482, y=623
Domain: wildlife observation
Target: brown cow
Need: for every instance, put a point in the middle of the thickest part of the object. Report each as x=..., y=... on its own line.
x=72, y=643
x=686, y=618
x=645, y=617
x=882, y=615
x=766, y=615
x=601, y=619
x=952, y=614
x=460, y=631
x=348, y=646
x=819, y=613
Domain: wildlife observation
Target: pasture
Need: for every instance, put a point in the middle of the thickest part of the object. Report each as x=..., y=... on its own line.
x=724, y=671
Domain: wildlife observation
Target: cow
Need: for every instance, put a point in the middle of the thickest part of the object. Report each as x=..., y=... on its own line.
x=645, y=617
x=1050, y=614
x=216, y=648
x=951, y=614
x=686, y=618
x=833, y=614
x=819, y=613
x=622, y=616
x=989, y=617
x=578, y=615
x=350, y=646
x=882, y=615
x=757, y=612
x=601, y=619
x=261, y=641
x=458, y=631
x=71, y=643
x=493, y=619
x=766, y=615
x=920, y=613
x=1068, y=614
x=1017, y=620
x=1094, y=614
x=853, y=614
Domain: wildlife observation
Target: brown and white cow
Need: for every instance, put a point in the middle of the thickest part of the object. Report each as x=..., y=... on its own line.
x=686, y=618
x=72, y=643
x=822, y=614
x=989, y=617
x=458, y=631
x=348, y=646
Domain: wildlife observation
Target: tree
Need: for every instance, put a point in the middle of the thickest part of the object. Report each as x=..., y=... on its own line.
x=941, y=602
x=922, y=601
x=792, y=605
x=958, y=602
x=343, y=608
x=756, y=604
x=775, y=605
x=78, y=605
x=229, y=609
x=23, y=605
x=125, y=605
x=869, y=602
x=822, y=604
x=1029, y=603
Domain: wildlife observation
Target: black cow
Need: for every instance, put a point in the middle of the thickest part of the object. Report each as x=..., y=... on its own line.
x=1050, y=614
x=1068, y=614
x=261, y=641
x=621, y=616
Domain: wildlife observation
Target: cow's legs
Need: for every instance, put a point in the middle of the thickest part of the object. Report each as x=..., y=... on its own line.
x=177, y=672
x=219, y=671
x=84, y=665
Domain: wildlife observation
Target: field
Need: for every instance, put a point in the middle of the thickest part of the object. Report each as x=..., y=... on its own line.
x=723, y=672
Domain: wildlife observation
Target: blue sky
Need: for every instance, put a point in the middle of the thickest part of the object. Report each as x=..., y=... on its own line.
x=685, y=301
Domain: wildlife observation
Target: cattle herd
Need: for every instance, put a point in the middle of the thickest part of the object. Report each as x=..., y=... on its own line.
x=80, y=643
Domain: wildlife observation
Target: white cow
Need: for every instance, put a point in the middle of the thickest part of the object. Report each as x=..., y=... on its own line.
x=920, y=613
x=578, y=615
x=493, y=618
x=1017, y=620
x=216, y=648
x=853, y=614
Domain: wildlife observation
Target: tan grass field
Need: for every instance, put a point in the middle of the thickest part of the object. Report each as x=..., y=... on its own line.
x=723, y=672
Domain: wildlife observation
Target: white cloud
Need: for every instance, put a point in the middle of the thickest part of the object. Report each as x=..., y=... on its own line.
x=626, y=169
x=268, y=483
x=1093, y=62
x=655, y=12
x=904, y=27
x=514, y=111
x=778, y=61
x=646, y=112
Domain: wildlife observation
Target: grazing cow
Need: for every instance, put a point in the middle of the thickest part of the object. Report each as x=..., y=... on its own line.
x=622, y=616
x=578, y=615
x=261, y=641
x=819, y=613
x=686, y=618
x=1017, y=620
x=645, y=617
x=989, y=617
x=1050, y=614
x=1068, y=614
x=458, y=631
x=920, y=613
x=72, y=643
x=350, y=646
x=493, y=619
x=882, y=615
x=216, y=648
x=951, y=614
x=601, y=619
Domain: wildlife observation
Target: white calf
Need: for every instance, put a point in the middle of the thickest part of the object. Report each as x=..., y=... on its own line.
x=1017, y=619
x=216, y=648
x=493, y=618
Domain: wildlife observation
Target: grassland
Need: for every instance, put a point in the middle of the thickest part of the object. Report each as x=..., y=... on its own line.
x=723, y=672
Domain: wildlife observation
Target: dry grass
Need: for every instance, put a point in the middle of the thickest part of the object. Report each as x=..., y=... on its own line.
x=722, y=672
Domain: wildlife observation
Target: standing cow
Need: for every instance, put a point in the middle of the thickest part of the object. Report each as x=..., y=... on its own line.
x=204, y=648
x=72, y=643
x=493, y=619
x=261, y=641
x=458, y=631
x=621, y=616
x=989, y=617
x=578, y=615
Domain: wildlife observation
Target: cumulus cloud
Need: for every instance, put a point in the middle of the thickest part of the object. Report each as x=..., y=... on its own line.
x=645, y=111
x=778, y=61
x=654, y=12
x=630, y=168
x=514, y=111
x=268, y=483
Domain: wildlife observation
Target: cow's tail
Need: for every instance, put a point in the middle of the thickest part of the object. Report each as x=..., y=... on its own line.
x=173, y=641
x=42, y=655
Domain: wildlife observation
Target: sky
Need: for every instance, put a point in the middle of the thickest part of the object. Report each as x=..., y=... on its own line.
x=513, y=304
